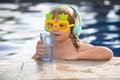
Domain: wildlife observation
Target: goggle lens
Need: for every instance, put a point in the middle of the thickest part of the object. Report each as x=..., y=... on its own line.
x=49, y=26
x=63, y=26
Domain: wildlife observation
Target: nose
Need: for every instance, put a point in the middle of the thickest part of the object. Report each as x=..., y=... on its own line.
x=56, y=28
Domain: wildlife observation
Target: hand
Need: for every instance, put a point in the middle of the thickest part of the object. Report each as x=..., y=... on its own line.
x=39, y=50
x=70, y=57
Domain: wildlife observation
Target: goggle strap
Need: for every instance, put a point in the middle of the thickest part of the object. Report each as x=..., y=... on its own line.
x=71, y=25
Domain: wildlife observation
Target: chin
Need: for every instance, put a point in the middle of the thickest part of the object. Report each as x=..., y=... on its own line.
x=58, y=39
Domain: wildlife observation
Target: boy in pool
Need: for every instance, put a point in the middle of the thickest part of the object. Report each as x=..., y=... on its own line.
x=64, y=22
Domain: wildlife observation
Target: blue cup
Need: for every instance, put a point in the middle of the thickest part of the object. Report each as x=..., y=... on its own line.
x=47, y=40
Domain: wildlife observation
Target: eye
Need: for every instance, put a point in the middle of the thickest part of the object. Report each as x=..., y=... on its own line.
x=63, y=26
x=49, y=25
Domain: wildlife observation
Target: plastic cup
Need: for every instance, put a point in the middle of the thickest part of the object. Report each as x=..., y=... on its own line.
x=47, y=40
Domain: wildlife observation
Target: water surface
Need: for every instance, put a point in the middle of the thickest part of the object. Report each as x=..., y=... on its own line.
x=20, y=25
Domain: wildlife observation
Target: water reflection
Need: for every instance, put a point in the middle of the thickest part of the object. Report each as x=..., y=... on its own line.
x=7, y=49
x=20, y=25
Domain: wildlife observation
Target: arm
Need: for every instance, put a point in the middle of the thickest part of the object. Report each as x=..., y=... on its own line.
x=95, y=53
x=90, y=52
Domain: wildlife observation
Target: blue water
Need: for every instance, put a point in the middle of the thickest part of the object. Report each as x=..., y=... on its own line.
x=20, y=25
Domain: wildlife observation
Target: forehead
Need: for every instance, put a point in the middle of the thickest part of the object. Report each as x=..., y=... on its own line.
x=56, y=16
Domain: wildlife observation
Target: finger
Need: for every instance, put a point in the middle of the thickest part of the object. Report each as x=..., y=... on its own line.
x=41, y=50
x=40, y=47
x=39, y=42
x=39, y=53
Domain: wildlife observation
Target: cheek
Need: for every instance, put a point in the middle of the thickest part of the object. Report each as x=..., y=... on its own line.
x=63, y=36
x=66, y=34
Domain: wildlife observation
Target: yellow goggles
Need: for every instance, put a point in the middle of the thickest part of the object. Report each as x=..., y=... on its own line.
x=63, y=26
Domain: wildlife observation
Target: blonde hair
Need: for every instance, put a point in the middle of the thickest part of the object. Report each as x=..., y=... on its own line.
x=72, y=18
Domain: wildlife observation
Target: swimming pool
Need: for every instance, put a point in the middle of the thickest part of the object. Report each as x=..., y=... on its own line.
x=21, y=24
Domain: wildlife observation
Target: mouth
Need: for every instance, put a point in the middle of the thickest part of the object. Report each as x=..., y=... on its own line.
x=57, y=34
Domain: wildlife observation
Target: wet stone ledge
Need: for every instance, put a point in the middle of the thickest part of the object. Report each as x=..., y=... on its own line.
x=59, y=69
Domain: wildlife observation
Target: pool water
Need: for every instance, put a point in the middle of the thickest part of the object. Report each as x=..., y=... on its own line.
x=20, y=25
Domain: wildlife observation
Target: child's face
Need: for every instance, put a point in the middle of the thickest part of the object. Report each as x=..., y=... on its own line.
x=62, y=24
x=59, y=36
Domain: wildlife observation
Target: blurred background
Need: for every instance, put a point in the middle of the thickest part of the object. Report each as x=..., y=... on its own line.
x=21, y=21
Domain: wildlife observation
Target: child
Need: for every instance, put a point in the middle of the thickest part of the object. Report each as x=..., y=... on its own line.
x=64, y=22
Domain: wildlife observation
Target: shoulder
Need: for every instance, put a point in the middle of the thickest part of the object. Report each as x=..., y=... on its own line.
x=85, y=46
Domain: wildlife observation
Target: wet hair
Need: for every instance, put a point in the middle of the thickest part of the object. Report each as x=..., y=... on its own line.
x=72, y=18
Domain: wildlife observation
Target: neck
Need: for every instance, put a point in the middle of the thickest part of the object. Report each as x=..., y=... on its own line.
x=62, y=47
x=63, y=43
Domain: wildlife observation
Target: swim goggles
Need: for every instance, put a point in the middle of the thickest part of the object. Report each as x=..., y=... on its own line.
x=62, y=24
